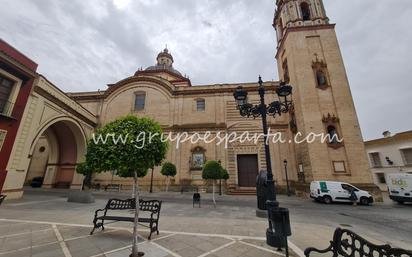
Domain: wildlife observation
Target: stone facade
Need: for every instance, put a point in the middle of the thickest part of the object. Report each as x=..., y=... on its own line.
x=55, y=122
x=309, y=59
x=174, y=106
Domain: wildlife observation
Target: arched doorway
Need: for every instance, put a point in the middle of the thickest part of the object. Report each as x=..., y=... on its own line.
x=54, y=153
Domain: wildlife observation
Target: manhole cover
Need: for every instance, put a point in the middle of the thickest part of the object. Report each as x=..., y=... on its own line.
x=346, y=225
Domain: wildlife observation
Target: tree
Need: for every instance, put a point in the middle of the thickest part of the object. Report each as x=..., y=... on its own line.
x=168, y=170
x=225, y=176
x=87, y=171
x=131, y=146
x=212, y=170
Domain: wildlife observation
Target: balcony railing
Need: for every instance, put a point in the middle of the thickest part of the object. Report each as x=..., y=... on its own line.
x=6, y=108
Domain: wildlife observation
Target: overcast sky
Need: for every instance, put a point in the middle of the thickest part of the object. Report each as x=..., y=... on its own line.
x=83, y=45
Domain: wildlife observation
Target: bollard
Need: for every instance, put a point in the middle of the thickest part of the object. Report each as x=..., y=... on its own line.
x=261, y=190
x=196, y=199
x=279, y=229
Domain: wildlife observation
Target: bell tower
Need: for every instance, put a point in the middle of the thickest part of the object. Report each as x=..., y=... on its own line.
x=298, y=13
x=309, y=58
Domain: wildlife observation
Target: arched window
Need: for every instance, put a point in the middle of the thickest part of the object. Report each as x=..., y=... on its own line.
x=320, y=71
x=305, y=10
x=321, y=78
x=333, y=135
x=139, y=101
x=333, y=138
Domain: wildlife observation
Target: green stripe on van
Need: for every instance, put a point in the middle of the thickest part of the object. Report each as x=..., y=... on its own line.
x=323, y=187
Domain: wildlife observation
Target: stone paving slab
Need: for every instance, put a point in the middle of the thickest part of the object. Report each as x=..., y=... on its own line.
x=50, y=250
x=55, y=240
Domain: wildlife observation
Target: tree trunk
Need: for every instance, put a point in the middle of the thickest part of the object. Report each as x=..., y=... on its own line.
x=151, y=182
x=167, y=183
x=213, y=193
x=135, y=250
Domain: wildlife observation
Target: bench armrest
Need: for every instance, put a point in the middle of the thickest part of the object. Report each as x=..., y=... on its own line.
x=96, y=213
x=312, y=249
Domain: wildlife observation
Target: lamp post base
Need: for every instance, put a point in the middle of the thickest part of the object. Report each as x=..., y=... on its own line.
x=275, y=240
x=261, y=213
x=138, y=254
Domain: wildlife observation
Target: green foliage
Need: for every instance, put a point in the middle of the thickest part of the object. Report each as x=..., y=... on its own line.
x=140, y=147
x=83, y=168
x=86, y=170
x=168, y=169
x=212, y=170
x=224, y=175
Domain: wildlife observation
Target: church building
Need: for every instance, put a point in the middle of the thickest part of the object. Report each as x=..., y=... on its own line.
x=309, y=59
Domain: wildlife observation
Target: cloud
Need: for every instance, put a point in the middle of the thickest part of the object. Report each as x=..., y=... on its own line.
x=84, y=45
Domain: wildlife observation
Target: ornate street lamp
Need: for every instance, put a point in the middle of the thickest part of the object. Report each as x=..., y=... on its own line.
x=279, y=226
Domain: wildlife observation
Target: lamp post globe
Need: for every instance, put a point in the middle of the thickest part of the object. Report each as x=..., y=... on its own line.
x=240, y=95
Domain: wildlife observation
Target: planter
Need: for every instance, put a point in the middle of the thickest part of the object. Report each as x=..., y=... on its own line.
x=80, y=197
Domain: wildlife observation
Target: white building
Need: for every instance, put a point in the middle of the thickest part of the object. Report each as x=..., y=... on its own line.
x=390, y=154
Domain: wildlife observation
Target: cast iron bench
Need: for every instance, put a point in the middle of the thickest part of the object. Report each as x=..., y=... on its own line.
x=151, y=206
x=348, y=244
x=2, y=197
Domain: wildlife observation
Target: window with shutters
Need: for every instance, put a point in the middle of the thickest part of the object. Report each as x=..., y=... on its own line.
x=6, y=88
x=375, y=160
x=381, y=178
x=407, y=156
x=3, y=134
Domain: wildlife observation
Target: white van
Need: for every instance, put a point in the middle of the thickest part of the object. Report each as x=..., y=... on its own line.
x=399, y=187
x=334, y=191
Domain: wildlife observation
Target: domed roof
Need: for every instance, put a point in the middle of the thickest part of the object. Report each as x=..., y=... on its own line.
x=164, y=62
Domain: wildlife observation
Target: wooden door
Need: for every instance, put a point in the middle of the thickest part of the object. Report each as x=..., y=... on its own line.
x=247, y=168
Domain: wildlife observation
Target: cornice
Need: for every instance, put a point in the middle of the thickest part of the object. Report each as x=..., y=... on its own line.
x=173, y=90
x=17, y=65
x=301, y=28
x=44, y=93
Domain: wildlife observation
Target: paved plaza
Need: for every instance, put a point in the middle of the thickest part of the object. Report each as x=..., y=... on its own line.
x=31, y=238
x=43, y=223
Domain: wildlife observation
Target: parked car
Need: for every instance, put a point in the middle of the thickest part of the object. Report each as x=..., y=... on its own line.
x=37, y=182
x=399, y=187
x=334, y=191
